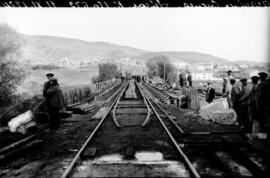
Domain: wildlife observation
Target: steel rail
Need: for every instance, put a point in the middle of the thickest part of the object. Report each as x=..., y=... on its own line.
x=158, y=90
x=76, y=158
x=170, y=118
x=114, y=108
x=147, y=105
x=187, y=161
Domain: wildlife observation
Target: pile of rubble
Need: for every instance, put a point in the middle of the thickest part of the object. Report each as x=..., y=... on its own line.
x=219, y=111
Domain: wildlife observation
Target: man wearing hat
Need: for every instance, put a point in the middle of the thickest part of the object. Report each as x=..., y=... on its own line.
x=263, y=101
x=49, y=76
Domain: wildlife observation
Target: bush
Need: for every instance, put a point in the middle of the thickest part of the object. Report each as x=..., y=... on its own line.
x=156, y=66
x=10, y=72
x=107, y=71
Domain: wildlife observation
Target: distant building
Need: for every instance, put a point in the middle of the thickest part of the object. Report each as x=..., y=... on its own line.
x=201, y=66
x=135, y=66
x=62, y=62
x=243, y=66
x=226, y=67
x=180, y=65
x=202, y=75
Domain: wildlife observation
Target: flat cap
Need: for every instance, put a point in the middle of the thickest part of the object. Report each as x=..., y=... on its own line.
x=254, y=78
x=50, y=75
x=263, y=74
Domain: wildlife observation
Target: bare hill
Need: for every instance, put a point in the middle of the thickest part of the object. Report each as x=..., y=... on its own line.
x=49, y=48
x=40, y=48
x=188, y=57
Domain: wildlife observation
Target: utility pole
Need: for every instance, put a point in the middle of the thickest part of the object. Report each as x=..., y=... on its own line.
x=164, y=71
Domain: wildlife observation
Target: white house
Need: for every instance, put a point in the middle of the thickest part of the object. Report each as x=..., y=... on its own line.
x=202, y=75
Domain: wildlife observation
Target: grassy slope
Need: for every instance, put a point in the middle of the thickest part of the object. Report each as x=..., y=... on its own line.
x=67, y=78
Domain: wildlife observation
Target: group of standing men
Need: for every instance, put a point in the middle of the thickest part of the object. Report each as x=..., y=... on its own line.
x=54, y=100
x=185, y=80
x=251, y=103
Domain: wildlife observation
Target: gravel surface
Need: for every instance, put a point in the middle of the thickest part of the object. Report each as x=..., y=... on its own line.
x=189, y=122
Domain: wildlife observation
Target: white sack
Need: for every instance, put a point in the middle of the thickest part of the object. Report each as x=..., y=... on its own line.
x=22, y=129
x=20, y=120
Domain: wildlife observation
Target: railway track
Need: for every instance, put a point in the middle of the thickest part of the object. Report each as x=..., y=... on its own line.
x=137, y=137
x=215, y=154
x=124, y=144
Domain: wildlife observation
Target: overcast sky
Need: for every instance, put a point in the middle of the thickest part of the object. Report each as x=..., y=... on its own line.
x=230, y=33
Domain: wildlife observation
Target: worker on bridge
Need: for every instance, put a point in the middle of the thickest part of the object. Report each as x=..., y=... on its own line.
x=210, y=93
x=54, y=100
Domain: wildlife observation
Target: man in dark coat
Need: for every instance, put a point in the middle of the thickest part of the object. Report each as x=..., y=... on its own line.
x=263, y=100
x=252, y=107
x=224, y=88
x=253, y=110
x=210, y=93
x=55, y=102
x=234, y=96
x=244, y=117
x=181, y=80
x=189, y=79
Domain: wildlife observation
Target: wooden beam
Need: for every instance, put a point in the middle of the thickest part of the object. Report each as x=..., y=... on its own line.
x=16, y=144
x=20, y=149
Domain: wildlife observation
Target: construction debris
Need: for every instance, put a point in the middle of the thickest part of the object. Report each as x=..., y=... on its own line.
x=101, y=113
x=219, y=111
x=82, y=108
